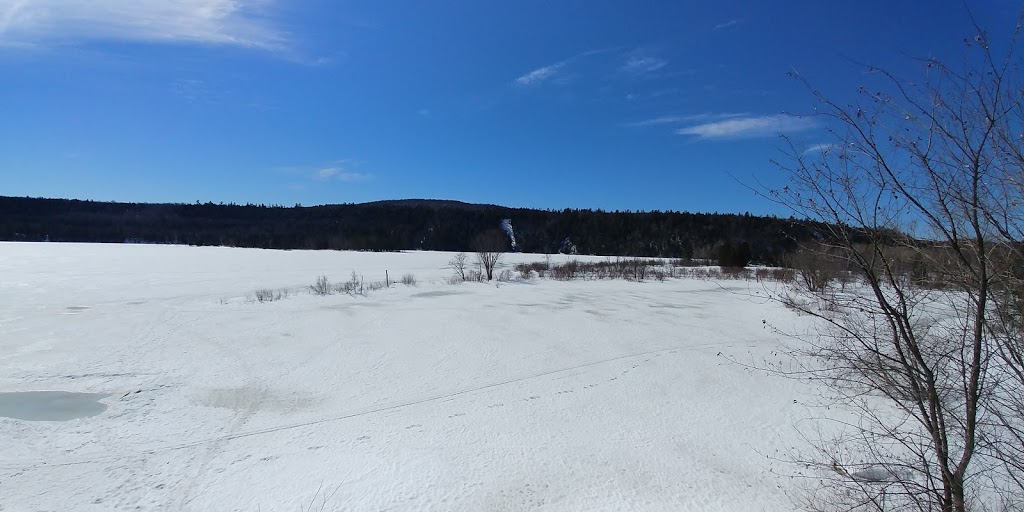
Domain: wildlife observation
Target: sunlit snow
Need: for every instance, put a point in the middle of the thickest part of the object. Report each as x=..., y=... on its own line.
x=532, y=395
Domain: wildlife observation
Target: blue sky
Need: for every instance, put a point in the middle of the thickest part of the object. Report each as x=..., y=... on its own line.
x=582, y=104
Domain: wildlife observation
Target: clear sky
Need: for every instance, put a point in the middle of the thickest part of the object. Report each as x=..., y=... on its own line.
x=635, y=105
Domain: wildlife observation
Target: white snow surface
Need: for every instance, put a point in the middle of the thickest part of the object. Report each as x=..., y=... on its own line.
x=536, y=395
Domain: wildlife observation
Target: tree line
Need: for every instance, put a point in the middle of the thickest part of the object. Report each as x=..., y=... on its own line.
x=403, y=225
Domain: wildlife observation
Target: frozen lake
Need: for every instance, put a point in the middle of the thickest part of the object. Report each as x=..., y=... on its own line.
x=536, y=395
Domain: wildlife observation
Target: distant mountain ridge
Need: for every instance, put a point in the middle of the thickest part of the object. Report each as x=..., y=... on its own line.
x=434, y=203
x=405, y=224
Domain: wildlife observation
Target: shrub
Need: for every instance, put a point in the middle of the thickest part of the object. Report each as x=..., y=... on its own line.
x=735, y=273
x=354, y=286
x=566, y=271
x=267, y=295
x=658, y=275
x=782, y=275
x=322, y=286
x=704, y=273
x=635, y=268
x=817, y=267
x=526, y=270
x=409, y=280
x=458, y=265
x=690, y=262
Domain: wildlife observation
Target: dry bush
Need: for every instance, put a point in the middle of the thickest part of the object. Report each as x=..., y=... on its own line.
x=567, y=271
x=641, y=269
x=458, y=264
x=267, y=295
x=735, y=273
x=322, y=286
x=817, y=266
x=635, y=269
x=702, y=273
x=658, y=275
x=409, y=280
x=526, y=269
x=690, y=262
x=781, y=275
x=354, y=285
x=631, y=269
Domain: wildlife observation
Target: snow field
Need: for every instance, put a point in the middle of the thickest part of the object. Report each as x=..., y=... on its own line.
x=537, y=395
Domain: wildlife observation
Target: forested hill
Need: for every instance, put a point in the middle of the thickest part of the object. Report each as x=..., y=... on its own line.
x=396, y=225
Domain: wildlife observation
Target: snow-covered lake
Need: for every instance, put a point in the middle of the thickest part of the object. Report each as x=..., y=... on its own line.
x=537, y=395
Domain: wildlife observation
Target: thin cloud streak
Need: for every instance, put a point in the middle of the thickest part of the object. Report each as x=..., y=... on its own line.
x=657, y=121
x=641, y=65
x=552, y=72
x=727, y=24
x=213, y=22
x=540, y=75
x=339, y=174
x=818, y=148
x=693, y=118
x=748, y=127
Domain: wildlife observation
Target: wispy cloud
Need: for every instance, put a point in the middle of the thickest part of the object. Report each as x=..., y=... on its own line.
x=540, y=75
x=678, y=119
x=215, y=22
x=639, y=65
x=727, y=24
x=555, y=72
x=748, y=127
x=657, y=121
x=339, y=174
x=819, y=148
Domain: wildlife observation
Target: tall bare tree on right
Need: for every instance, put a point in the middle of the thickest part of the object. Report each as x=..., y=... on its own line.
x=921, y=193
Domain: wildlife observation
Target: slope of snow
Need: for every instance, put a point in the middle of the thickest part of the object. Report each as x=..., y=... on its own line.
x=539, y=395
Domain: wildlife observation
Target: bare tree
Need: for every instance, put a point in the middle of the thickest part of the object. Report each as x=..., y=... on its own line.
x=818, y=267
x=926, y=173
x=458, y=264
x=489, y=247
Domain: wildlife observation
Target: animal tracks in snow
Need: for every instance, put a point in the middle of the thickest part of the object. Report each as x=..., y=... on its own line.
x=571, y=391
x=214, y=444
